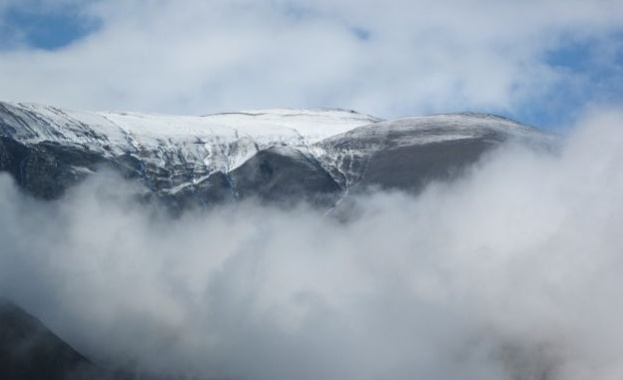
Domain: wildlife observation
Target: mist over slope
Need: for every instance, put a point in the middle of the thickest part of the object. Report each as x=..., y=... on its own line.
x=513, y=271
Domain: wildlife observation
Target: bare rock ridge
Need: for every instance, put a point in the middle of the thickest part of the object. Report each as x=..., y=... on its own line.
x=272, y=155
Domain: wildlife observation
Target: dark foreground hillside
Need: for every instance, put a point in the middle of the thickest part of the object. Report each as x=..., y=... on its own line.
x=30, y=351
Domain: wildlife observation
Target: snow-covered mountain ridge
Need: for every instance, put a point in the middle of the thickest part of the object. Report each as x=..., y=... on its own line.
x=280, y=151
x=220, y=142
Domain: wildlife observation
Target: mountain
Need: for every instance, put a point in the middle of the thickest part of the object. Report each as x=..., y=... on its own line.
x=274, y=155
x=28, y=350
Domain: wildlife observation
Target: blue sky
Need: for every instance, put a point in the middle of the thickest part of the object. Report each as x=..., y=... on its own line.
x=541, y=62
x=49, y=30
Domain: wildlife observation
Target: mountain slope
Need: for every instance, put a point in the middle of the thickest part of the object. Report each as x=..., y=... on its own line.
x=28, y=350
x=272, y=155
x=407, y=153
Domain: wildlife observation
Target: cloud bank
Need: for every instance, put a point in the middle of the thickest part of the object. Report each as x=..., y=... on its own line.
x=514, y=272
x=389, y=58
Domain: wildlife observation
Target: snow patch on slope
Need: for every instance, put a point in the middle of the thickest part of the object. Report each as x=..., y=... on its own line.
x=211, y=143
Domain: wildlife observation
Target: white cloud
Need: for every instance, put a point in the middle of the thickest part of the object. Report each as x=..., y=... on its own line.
x=205, y=56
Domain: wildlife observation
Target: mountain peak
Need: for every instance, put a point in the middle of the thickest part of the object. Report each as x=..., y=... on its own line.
x=271, y=152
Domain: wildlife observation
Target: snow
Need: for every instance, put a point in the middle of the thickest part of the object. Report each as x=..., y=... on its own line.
x=198, y=146
x=220, y=142
x=439, y=128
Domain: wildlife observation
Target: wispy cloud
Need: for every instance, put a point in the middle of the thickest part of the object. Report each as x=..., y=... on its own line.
x=391, y=58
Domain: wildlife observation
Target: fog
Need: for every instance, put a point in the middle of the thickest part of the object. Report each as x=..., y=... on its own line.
x=515, y=271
